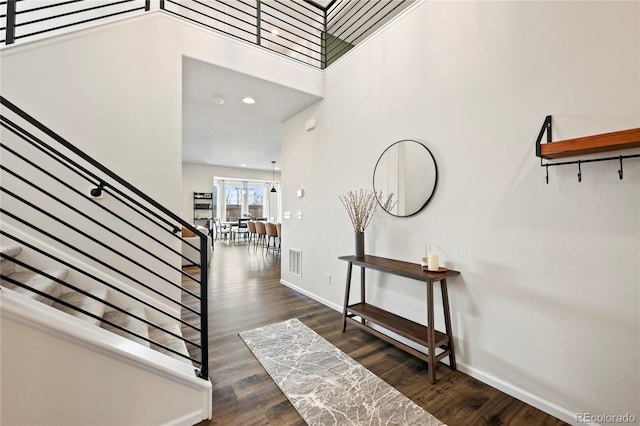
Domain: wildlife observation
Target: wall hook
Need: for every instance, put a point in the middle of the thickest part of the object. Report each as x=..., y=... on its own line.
x=579, y=172
x=547, y=178
x=620, y=172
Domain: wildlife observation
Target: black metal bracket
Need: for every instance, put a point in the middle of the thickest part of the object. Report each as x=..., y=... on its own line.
x=97, y=191
x=547, y=128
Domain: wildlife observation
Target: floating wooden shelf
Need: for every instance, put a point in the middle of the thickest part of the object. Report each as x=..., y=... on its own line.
x=605, y=142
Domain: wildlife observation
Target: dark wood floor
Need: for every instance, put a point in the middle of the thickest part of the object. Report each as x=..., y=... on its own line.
x=245, y=292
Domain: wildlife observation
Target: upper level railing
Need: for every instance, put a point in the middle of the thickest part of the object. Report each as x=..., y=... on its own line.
x=24, y=19
x=80, y=213
x=299, y=29
x=289, y=27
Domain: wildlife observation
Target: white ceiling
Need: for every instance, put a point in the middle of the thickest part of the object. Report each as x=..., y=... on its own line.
x=234, y=133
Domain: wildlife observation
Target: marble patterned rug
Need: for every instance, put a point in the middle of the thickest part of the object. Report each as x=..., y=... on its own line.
x=325, y=385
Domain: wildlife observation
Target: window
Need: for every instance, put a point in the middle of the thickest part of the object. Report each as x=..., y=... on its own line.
x=214, y=200
x=255, y=200
x=233, y=200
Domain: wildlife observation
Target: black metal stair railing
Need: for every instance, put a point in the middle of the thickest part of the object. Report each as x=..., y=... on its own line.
x=26, y=19
x=348, y=23
x=302, y=30
x=289, y=27
x=124, y=235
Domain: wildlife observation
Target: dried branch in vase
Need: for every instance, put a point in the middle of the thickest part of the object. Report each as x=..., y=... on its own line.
x=360, y=206
x=388, y=205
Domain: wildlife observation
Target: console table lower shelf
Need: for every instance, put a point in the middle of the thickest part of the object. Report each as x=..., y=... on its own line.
x=426, y=336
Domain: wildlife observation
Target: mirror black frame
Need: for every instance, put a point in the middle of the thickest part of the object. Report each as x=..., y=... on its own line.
x=435, y=184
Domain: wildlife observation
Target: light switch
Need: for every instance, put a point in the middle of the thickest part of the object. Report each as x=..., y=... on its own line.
x=287, y=215
x=299, y=213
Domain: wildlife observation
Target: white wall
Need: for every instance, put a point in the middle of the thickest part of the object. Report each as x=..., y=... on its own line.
x=90, y=384
x=547, y=304
x=116, y=90
x=199, y=178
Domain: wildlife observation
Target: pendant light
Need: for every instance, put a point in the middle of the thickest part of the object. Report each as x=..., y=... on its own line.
x=273, y=183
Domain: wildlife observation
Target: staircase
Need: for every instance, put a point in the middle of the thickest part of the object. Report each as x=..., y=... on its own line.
x=100, y=323
x=131, y=323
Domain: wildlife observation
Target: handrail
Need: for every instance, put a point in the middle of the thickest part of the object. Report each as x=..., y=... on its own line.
x=80, y=212
x=13, y=23
x=302, y=30
x=6, y=103
x=67, y=162
x=74, y=222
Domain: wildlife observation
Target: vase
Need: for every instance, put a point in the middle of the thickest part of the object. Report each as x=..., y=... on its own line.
x=359, y=244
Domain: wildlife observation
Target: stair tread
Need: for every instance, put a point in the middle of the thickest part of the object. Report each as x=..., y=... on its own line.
x=84, y=302
x=128, y=322
x=169, y=341
x=38, y=282
x=11, y=251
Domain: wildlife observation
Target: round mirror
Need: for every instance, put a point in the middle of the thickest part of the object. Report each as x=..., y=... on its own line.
x=405, y=178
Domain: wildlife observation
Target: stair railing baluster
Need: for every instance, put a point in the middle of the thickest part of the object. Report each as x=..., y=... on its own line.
x=130, y=201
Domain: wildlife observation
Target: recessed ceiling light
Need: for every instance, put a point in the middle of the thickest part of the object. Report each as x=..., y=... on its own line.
x=243, y=165
x=211, y=132
x=275, y=32
x=249, y=100
x=218, y=100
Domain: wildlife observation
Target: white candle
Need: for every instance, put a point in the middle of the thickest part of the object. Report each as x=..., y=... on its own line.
x=434, y=262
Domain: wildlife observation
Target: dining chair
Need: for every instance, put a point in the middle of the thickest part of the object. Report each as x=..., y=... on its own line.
x=240, y=229
x=220, y=231
x=252, y=230
x=261, y=230
x=279, y=232
x=272, y=233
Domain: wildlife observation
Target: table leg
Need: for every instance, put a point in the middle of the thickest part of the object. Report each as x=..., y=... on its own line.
x=362, y=287
x=431, y=338
x=447, y=323
x=346, y=297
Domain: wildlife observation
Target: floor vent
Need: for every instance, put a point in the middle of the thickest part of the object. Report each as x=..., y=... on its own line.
x=295, y=262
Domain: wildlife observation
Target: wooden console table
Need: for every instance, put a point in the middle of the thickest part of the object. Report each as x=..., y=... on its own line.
x=426, y=336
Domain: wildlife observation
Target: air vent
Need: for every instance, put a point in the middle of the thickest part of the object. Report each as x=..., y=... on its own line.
x=295, y=262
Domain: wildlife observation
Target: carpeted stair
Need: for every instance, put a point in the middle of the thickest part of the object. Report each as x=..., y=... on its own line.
x=49, y=286
x=85, y=303
x=169, y=341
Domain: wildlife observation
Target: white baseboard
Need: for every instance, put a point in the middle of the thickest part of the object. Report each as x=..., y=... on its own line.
x=312, y=296
x=518, y=393
x=508, y=388
x=188, y=419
